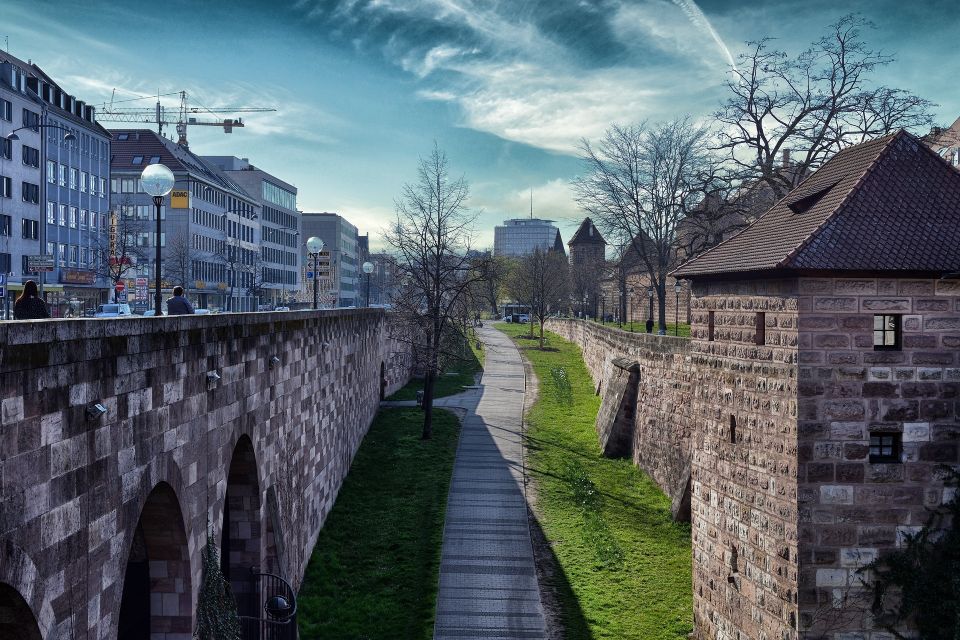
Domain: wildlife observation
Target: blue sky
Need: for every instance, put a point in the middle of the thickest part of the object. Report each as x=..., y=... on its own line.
x=363, y=87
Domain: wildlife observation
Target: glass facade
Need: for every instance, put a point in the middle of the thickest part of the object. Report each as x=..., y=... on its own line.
x=279, y=196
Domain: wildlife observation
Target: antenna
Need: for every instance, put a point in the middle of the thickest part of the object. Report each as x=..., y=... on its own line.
x=531, y=203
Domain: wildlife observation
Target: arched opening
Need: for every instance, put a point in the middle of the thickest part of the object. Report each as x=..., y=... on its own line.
x=240, y=541
x=383, y=381
x=16, y=619
x=157, y=596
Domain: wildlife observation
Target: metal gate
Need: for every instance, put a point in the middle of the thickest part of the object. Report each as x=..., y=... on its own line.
x=276, y=613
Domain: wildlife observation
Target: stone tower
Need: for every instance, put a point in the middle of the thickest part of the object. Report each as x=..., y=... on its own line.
x=587, y=259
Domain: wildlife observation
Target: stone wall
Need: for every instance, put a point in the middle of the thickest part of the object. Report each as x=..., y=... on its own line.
x=852, y=510
x=661, y=434
x=74, y=487
x=744, y=512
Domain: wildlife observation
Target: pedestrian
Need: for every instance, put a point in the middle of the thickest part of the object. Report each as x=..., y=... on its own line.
x=29, y=306
x=178, y=305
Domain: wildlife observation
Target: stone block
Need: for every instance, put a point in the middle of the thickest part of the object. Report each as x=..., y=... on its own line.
x=832, y=577
x=916, y=431
x=885, y=304
x=836, y=494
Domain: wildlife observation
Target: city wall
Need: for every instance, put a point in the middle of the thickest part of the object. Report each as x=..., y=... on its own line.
x=243, y=425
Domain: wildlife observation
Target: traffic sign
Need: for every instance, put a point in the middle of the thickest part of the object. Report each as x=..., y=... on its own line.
x=40, y=263
x=121, y=296
x=309, y=275
x=120, y=287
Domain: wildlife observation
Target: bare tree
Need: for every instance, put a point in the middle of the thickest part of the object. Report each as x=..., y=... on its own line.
x=431, y=239
x=809, y=106
x=640, y=185
x=123, y=247
x=178, y=261
x=543, y=279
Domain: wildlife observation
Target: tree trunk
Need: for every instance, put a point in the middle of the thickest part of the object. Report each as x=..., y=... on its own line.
x=428, y=384
x=541, y=334
x=662, y=311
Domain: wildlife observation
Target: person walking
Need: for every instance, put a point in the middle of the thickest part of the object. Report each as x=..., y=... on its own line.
x=178, y=305
x=29, y=306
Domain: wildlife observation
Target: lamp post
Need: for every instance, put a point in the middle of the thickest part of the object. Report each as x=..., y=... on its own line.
x=368, y=269
x=676, y=311
x=315, y=246
x=603, y=309
x=157, y=180
x=68, y=137
x=650, y=314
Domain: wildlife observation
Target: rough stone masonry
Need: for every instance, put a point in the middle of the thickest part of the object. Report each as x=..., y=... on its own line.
x=243, y=425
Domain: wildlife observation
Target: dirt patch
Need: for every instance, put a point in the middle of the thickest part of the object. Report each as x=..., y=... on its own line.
x=544, y=558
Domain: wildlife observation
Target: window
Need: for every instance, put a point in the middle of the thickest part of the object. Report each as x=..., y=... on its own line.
x=6, y=187
x=710, y=326
x=123, y=136
x=83, y=181
x=103, y=187
x=30, y=156
x=62, y=254
x=30, y=192
x=6, y=263
x=6, y=149
x=73, y=178
x=760, y=329
x=6, y=110
x=885, y=446
x=154, y=159
x=886, y=332
x=5, y=223
x=51, y=213
x=31, y=119
x=63, y=176
x=51, y=172
x=83, y=218
x=30, y=229
x=137, y=159
x=74, y=254
x=73, y=217
x=63, y=215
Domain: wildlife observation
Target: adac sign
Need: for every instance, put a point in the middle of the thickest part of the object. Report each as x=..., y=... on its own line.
x=180, y=199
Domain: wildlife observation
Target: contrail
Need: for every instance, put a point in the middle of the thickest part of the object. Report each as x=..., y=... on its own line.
x=696, y=16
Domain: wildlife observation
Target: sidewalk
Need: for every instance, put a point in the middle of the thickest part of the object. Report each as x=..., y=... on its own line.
x=488, y=580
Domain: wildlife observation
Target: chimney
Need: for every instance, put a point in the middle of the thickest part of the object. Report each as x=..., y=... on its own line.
x=786, y=158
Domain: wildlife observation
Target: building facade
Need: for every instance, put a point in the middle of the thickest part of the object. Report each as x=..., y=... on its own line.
x=278, y=273
x=53, y=198
x=210, y=238
x=340, y=242
x=521, y=236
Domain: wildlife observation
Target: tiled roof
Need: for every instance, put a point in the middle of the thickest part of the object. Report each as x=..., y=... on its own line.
x=586, y=233
x=147, y=143
x=889, y=204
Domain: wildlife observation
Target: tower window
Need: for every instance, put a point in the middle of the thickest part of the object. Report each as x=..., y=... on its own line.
x=887, y=332
x=885, y=446
x=710, y=326
x=760, y=335
x=733, y=429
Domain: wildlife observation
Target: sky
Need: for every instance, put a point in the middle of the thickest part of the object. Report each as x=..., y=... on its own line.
x=363, y=88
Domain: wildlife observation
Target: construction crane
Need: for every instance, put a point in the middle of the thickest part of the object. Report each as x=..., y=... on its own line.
x=159, y=115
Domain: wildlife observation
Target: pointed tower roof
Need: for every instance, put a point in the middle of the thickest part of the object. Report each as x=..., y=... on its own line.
x=889, y=204
x=587, y=233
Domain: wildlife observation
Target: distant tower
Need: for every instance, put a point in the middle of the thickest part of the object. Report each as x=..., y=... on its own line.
x=587, y=246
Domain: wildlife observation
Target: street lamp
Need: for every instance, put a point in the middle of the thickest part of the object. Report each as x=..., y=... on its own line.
x=631, y=294
x=368, y=269
x=603, y=309
x=676, y=312
x=314, y=247
x=157, y=180
x=650, y=315
x=68, y=137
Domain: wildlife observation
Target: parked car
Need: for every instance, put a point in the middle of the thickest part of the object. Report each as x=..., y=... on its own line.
x=524, y=318
x=202, y=312
x=281, y=308
x=113, y=310
x=151, y=312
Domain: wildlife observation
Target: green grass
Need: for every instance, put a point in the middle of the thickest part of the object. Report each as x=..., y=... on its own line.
x=641, y=327
x=459, y=373
x=373, y=572
x=625, y=564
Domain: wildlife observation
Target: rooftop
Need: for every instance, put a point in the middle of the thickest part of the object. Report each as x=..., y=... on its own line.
x=889, y=204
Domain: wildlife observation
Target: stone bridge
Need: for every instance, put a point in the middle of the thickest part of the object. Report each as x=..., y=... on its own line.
x=242, y=426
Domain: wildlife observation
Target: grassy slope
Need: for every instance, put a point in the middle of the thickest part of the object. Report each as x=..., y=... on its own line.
x=373, y=572
x=626, y=565
x=452, y=380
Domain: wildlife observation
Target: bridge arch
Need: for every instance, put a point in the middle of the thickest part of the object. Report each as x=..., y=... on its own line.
x=16, y=617
x=241, y=529
x=157, y=586
x=20, y=586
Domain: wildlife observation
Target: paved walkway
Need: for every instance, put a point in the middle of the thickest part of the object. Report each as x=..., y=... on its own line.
x=488, y=581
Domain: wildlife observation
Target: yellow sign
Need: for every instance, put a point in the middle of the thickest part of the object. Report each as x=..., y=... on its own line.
x=180, y=199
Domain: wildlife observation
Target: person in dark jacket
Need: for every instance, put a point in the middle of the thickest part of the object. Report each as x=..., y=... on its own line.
x=178, y=305
x=29, y=306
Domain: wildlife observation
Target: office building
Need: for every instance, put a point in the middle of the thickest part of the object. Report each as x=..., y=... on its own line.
x=340, y=240
x=521, y=236
x=210, y=239
x=278, y=274
x=53, y=198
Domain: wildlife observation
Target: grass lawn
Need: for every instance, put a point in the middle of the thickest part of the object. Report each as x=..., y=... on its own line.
x=373, y=572
x=625, y=564
x=458, y=374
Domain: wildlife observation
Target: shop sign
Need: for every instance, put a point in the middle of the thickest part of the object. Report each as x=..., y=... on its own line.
x=141, y=290
x=76, y=276
x=180, y=199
